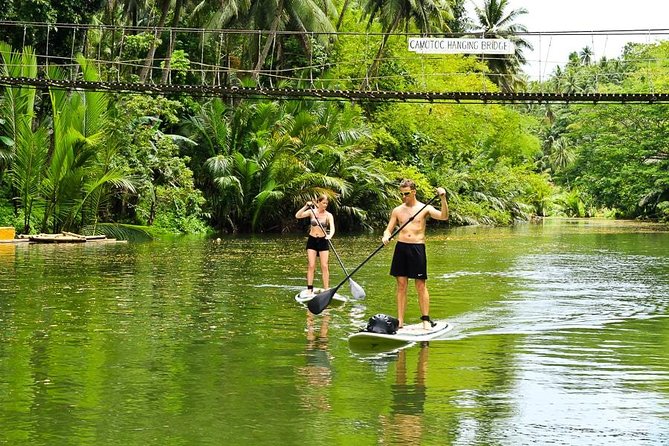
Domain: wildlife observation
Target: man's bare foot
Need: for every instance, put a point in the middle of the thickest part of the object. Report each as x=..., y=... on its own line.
x=427, y=322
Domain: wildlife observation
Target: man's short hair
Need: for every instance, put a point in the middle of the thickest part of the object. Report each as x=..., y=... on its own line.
x=408, y=183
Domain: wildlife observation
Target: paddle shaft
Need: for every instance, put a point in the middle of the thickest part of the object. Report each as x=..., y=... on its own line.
x=329, y=241
x=380, y=247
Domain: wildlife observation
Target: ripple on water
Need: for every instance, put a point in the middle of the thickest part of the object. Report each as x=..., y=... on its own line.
x=562, y=291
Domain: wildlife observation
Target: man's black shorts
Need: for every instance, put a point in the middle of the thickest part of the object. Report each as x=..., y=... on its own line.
x=409, y=260
x=318, y=244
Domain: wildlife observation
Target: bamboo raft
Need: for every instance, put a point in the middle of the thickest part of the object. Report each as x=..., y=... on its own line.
x=67, y=237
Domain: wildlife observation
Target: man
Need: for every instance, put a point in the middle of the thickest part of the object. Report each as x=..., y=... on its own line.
x=409, y=260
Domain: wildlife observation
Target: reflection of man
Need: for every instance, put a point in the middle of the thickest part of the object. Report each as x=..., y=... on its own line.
x=317, y=373
x=405, y=423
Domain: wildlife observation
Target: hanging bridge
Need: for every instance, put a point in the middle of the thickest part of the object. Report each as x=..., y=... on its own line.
x=214, y=69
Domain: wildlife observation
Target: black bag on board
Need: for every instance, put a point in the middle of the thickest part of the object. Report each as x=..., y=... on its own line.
x=382, y=324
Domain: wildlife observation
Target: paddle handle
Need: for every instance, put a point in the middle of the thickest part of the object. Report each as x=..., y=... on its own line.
x=380, y=247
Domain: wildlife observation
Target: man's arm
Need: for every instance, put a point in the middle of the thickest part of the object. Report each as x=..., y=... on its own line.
x=390, y=228
x=441, y=214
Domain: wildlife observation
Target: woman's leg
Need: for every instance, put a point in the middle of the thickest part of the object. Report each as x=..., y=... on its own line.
x=325, y=268
x=311, y=267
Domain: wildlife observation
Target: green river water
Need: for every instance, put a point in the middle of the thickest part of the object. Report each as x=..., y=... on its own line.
x=561, y=337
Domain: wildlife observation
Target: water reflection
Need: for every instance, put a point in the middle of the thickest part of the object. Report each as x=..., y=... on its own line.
x=560, y=338
x=404, y=424
x=316, y=374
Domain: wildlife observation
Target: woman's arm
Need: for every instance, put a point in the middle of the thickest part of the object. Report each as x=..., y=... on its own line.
x=302, y=212
x=332, y=226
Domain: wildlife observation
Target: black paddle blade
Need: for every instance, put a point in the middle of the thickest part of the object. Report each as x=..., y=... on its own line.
x=321, y=301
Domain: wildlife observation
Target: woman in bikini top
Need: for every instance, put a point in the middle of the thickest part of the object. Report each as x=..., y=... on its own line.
x=318, y=240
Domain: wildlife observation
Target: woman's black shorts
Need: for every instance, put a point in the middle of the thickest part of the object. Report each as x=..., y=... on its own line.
x=318, y=244
x=409, y=260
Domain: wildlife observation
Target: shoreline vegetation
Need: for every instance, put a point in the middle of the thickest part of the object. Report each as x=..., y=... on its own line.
x=104, y=162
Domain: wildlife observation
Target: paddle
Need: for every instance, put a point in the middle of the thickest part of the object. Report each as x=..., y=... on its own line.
x=321, y=300
x=356, y=290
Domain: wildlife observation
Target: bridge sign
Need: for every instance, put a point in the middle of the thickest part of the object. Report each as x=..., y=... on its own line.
x=435, y=45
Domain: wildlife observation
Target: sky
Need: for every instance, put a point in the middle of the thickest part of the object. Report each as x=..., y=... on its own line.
x=585, y=15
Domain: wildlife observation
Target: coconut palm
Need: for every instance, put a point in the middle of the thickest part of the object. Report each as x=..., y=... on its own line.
x=305, y=16
x=219, y=15
x=561, y=155
x=495, y=22
x=164, y=7
x=133, y=10
x=176, y=17
x=426, y=15
x=586, y=55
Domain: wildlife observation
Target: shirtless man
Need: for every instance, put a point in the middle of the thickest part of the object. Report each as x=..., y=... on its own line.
x=409, y=260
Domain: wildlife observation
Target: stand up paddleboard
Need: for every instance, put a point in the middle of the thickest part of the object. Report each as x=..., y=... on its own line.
x=303, y=296
x=366, y=340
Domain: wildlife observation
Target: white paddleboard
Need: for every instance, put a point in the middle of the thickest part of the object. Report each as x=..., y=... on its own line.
x=304, y=296
x=405, y=335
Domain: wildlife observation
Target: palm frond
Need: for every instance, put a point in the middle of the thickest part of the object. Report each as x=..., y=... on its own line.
x=118, y=231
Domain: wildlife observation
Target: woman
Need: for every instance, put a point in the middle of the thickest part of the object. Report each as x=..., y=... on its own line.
x=319, y=234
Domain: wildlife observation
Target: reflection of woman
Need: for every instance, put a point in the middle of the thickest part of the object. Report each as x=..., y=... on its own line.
x=317, y=372
x=319, y=234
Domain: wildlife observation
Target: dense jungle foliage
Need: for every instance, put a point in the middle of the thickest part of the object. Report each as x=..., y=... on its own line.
x=78, y=160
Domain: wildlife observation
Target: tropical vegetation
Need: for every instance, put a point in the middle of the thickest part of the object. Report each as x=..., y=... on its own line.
x=79, y=160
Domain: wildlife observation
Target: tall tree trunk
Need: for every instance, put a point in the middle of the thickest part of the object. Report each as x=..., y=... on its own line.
x=173, y=35
x=374, y=68
x=270, y=39
x=341, y=15
x=165, y=8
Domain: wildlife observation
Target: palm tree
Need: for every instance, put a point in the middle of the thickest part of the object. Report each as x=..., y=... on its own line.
x=337, y=161
x=270, y=18
x=269, y=157
x=178, y=6
x=586, y=55
x=62, y=171
x=427, y=15
x=344, y=10
x=561, y=154
x=27, y=146
x=219, y=15
x=495, y=22
x=79, y=168
x=146, y=69
x=305, y=16
x=460, y=23
x=134, y=10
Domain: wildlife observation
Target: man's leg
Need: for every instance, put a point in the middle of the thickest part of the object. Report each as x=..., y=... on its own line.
x=423, y=300
x=402, y=283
